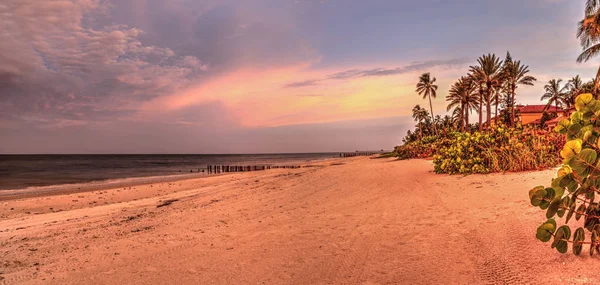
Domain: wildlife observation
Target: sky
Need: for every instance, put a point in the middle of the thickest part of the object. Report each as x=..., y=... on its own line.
x=254, y=76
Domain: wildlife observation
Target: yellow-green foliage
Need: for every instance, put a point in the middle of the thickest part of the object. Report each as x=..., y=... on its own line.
x=498, y=150
x=573, y=192
x=422, y=148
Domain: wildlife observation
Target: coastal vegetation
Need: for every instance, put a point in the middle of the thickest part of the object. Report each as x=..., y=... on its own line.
x=499, y=143
x=572, y=193
x=503, y=143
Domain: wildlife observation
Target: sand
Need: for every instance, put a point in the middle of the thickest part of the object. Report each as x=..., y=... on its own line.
x=350, y=221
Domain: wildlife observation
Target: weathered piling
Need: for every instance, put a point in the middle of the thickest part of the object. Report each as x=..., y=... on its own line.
x=217, y=169
x=358, y=153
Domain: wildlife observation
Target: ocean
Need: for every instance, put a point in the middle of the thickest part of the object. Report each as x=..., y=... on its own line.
x=22, y=171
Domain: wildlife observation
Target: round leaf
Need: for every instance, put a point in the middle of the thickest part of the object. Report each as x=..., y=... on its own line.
x=583, y=100
x=545, y=231
x=578, y=239
x=571, y=148
x=563, y=234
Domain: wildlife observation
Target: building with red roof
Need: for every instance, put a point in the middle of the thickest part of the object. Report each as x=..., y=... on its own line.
x=529, y=114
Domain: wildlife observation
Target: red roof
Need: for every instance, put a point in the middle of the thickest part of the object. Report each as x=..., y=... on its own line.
x=538, y=109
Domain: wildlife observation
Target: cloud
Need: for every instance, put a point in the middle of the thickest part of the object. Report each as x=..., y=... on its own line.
x=55, y=67
x=303, y=83
x=416, y=66
x=376, y=72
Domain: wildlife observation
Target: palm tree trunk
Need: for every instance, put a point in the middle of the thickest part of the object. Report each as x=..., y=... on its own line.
x=489, y=107
x=462, y=118
x=512, y=116
x=496, y=120
x=467, y=118
x=432, y=117
x=481, y=111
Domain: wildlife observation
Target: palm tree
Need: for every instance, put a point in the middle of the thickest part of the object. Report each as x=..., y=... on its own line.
x=588, y=87
x=575, y=87
x=420, y=115
x=427, y=88
x=489, y=76
x=447, y=123
x=515, y=74
x=588, y=32
x=463, y=99
x=480, y=93
x=554, y=93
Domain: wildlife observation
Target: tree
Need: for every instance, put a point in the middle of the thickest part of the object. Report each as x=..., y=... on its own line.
x=462, y=97
x=554, y=93
x=427, y=88
x=515, y=74
x=574, y=88
x=588, y=32
x=420, y=115
x=488, y=74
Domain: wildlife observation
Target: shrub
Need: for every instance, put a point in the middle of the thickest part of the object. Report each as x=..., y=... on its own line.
x=422, y=148
x=573, y=191
x=498, y=150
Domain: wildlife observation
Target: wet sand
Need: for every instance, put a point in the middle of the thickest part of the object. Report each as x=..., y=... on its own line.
x=347, y=221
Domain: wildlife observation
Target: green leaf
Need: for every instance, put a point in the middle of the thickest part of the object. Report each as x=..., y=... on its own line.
x=571, y=149
x=588, y=155
x=583, y=100
x=571, y=210
x=562, y=126
x=576, y=117
x=553, y=208
x=538, y=197
x=582, y=162
x=573, y=131
x=545, y=231
x=564, y=170
x=590, y=220
x=535, y=189
x=563, y=234
x=565, y=203
x=578, y=239
x=545, y=201
x=580, y=211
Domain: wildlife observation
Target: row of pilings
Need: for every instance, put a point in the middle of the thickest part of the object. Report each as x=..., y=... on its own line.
x=354, y=154
x=215, y=169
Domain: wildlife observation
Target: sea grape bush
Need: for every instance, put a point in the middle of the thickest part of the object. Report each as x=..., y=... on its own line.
x=423, y=148
x=498, y=149
x=572, y=193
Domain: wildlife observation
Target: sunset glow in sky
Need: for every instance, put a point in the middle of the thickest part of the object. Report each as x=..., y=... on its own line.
x=253, y=76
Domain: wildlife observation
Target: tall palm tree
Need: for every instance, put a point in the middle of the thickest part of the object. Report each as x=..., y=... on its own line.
x=554, y=93
x=427, y=88
x=574, y=87
x=515, y=74
x=496, y=99
x=420, y=115
x=488, y=74
x=588, y=32
x=463, y=99
x=480, y=93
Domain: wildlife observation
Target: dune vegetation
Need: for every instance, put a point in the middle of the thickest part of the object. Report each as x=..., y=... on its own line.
x=501, y=143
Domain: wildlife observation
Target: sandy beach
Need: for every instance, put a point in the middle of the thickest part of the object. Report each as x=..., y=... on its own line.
x=346, y=221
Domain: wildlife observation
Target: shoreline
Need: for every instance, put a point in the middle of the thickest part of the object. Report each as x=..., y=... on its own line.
x=106, y=184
